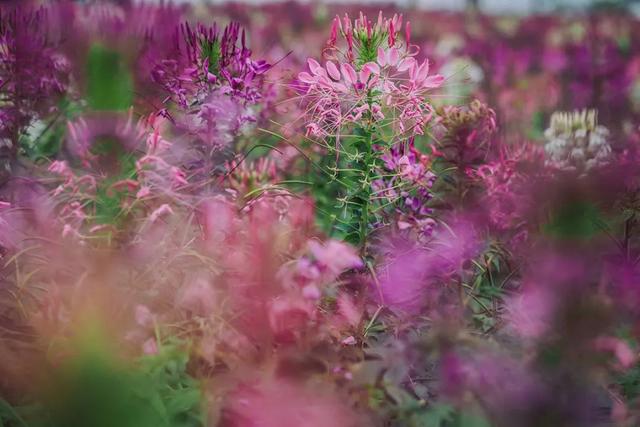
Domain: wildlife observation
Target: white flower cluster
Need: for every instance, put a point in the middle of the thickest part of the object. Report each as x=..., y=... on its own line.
x=576, y=142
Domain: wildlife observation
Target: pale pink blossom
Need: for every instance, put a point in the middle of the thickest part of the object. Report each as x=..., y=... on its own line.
x=335, y=256
x=624, y=355
x=350, y=340
x=150, y=347
x=143, y=316
x=163, y=210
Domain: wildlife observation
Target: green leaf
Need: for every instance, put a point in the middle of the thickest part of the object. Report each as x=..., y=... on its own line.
x=437, y=416
x=472, y=420
x=9, y=414
x=183, y=400
x=109, y=81
x=576, y=219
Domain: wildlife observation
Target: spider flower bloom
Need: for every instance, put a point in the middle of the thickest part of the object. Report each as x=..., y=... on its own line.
x=215, y=84
x=576, y=142
x=33, y=75
x=377, y=78
x=365, y=101
x=208, y=59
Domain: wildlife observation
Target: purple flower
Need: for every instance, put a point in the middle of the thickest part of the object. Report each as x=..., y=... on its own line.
x=33, y=75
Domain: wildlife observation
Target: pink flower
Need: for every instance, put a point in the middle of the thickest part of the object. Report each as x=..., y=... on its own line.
x=348, y=310
x=280, y=403
x=350, y=340
x=143, y=192
x=163, y=210
x=198, y=297
x=625, y=356
x=60, y=167
x=178, y=176
x=530, y=314
x=150, y=347
x=124, y=185
x=342, y=79
x=143, y=316
x=311, y=292
x=289, y=317
x=335, y=256
x=419, y=78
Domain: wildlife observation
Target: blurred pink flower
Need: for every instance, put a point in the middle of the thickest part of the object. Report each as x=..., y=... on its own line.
x=624, y=355
x=198, y=297
x=531, y=312
x=334, y=256
x=278, y=403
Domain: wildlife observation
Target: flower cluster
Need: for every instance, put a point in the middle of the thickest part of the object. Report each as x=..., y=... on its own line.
x=208, y=59
x=367, y=100
x=213, y=80
x=507, y=182
x=406, y=185
x=576, y=142
x=33, y=73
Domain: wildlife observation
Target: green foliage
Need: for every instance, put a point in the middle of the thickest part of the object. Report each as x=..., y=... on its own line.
x=629, y=383
x=575, y=220
x=368, y=46
x=211, y=51
x=491, y=273
x=357, y=201
x=538, y=124
x=94, y=389
x=108, y=203
x=629, y=380
x=326, y=192
x=344, y=200
x=109, y=81
x=437, y=416
x=444, y=415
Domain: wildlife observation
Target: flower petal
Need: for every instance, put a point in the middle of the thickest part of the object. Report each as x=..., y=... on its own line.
x=306, y=78
x=382, y=58
x=393, y=56
x=349, y=73
x=406, y=63
x=364, y=74
x=423, y=71
x=372, y=67
x=339, y=87
x=333, y=70
x=433, y=81
x=314, y=66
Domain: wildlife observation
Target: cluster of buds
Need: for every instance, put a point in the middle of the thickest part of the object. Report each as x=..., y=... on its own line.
x=575, y=141
x=363, y=36
x=466, y=134
x=245, y=176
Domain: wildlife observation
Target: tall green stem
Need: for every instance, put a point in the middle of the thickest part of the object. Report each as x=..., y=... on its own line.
x=359, y=195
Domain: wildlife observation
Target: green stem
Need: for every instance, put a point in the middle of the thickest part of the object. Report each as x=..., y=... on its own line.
x=366, y=191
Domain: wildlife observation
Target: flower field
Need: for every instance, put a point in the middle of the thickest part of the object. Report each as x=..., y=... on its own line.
x=307, y=215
